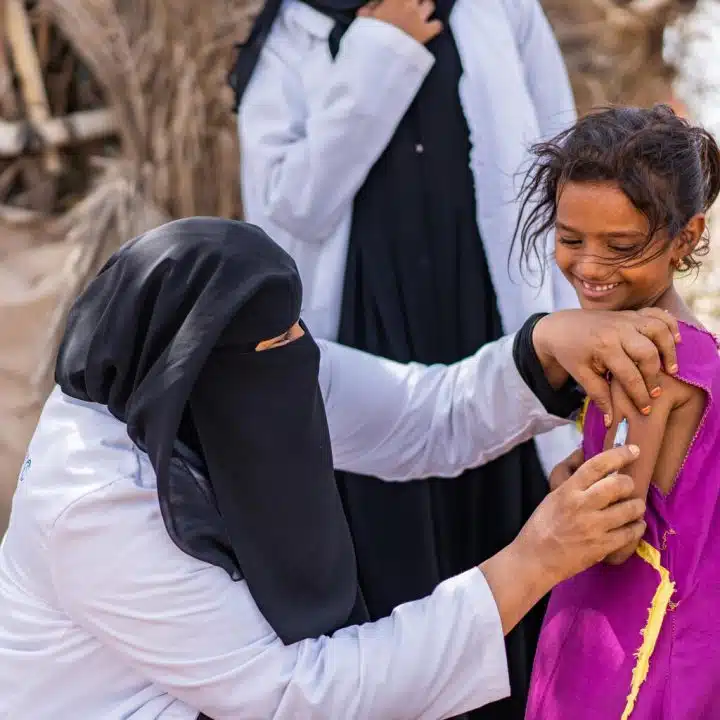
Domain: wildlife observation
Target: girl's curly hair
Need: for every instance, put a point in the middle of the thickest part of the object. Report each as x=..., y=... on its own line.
x=668, y=168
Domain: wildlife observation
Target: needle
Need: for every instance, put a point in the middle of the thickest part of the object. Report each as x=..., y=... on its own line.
x=620, y=437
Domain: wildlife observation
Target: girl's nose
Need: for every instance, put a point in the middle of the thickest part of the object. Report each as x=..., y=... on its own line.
x=592, y=270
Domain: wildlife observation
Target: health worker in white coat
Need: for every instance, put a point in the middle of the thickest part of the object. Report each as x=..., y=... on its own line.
x=177, y=546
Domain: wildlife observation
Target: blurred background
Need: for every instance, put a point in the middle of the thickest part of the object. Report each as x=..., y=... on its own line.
x=115, y=116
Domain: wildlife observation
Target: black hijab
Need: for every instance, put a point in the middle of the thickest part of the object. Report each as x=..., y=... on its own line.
x=165, y=337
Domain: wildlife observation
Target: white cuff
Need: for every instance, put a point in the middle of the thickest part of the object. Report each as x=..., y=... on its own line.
x=368, y=31
x=496, y=679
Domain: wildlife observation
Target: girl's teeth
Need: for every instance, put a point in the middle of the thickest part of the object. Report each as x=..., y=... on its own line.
x=599, y=288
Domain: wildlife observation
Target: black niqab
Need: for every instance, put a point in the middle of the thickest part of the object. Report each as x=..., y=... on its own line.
x=165, y=337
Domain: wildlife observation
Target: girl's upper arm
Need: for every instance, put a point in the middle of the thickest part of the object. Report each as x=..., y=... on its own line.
x=648, y=431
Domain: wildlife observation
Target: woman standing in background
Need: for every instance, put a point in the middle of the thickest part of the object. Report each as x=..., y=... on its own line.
x=379, y=144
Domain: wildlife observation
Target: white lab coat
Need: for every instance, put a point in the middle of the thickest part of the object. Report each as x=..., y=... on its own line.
x=102, y=616
x=311, y=129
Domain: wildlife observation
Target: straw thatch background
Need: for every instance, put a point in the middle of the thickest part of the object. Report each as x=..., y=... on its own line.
x=139, y=86
x=160, y=67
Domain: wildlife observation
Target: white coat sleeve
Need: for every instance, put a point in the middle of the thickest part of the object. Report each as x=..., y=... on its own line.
x=304, y=164
x=398, y=421
x=187, y=628
x=549, y=86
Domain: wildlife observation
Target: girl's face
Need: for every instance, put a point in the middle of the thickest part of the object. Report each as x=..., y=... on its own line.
x=597, y=227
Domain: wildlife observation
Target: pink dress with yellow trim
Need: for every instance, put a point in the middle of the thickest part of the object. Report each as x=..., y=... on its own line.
x=642, y=640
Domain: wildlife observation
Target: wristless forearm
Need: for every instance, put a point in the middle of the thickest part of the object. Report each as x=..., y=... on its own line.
x=518, y=581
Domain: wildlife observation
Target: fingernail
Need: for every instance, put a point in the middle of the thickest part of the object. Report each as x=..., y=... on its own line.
x=634, y=449
x=608, y=420
x=678, y=338
x=673, y=369
x=655, y=392
x=646, y=410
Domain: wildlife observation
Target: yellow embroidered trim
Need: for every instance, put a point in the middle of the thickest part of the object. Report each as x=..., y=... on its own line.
x=580, y=422
x=651, y=631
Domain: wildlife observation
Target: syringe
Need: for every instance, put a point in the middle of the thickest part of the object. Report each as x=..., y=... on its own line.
x=620, y=437
x=621, y=433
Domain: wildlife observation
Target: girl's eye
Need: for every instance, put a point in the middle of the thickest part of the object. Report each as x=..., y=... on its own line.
x=570, y=242
x=623, y=249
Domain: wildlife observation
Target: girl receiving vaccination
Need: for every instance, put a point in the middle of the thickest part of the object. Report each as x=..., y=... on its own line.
x=638, y=636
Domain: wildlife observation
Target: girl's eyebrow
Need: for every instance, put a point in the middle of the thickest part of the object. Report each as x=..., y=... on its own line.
x=624, y=233
x=563, y=226
x=611, y=234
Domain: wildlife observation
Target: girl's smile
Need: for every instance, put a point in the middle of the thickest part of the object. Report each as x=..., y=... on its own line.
x=592, y=290
x=625, y=191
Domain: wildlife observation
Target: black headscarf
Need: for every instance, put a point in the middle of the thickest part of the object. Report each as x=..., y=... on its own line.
x=165, y=337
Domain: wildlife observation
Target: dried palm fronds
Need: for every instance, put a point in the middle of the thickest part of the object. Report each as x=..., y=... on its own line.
x=161, y=68
x=115, y=210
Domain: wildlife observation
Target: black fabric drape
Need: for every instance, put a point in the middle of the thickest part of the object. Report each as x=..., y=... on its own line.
x=417, y=287
x=165, y=338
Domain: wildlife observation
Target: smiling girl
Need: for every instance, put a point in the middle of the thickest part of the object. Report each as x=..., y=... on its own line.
x=626, y=191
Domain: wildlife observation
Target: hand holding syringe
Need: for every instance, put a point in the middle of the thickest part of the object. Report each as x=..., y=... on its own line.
x=621, y=434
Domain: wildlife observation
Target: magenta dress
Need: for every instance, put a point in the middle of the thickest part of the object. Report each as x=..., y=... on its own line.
x=586, y=666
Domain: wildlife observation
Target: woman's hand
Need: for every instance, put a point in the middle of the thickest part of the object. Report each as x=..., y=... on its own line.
x=561, y=473
x=590, y=515
x=411, y=16
x=589, y=344
x=621, y=556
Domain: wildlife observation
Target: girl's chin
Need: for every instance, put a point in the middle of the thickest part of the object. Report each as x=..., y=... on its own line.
x=602, y=304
